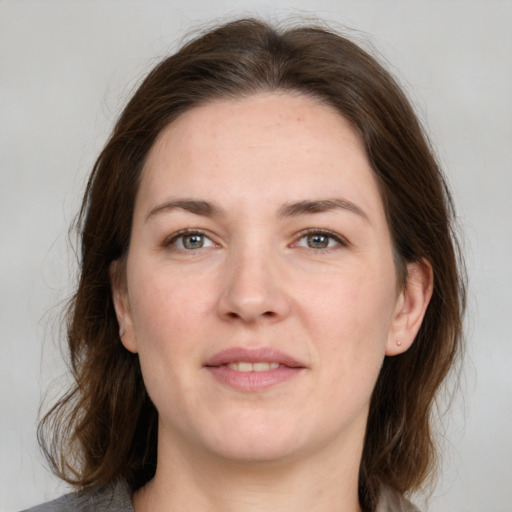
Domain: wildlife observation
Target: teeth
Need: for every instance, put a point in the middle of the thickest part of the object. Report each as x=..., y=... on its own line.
x=261, y=367
x=242, y=366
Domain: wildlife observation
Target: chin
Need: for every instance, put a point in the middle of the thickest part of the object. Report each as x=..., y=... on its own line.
x=249, y=453
x=261, y=442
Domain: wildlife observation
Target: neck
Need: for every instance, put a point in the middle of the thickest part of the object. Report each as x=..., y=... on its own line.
x=188, y=481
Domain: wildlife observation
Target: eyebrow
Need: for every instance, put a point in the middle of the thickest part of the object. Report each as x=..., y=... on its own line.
x=320, y=206
x=203, y=208
x=292, y=209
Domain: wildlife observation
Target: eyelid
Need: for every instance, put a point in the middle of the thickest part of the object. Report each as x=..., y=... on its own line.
x=341, y=240
x=168, y=241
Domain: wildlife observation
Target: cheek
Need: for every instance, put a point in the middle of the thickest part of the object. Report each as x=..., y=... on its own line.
x=354, y=301
x=165, y=313
x=165, y=306
x=349, y=320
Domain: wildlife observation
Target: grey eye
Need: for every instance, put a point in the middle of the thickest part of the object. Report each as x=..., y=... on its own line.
x=319, y=240
x=192, y=241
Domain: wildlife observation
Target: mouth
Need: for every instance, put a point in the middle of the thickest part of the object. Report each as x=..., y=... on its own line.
x=246, y=366
x=251, y=370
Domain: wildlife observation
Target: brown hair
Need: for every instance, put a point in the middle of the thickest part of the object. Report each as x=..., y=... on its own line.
x=105, y=427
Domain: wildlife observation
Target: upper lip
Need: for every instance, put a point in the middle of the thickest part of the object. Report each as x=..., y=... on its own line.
x=253, y=355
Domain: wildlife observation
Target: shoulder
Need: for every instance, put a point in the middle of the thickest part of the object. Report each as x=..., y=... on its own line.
x=110, y=498
x=392, y=501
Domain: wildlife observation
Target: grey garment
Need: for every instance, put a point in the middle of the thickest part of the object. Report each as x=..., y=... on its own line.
x=117, y=498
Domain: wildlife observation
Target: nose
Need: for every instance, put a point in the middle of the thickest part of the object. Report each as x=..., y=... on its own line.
x=253, y=289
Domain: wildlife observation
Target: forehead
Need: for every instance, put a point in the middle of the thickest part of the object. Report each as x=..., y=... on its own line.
x=259, y=117
x=272, y=146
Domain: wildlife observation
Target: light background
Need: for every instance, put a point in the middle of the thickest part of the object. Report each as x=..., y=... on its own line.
x=66, y=68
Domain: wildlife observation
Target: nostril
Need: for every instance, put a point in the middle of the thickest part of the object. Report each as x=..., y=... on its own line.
x=239, y=303
x=235, y=316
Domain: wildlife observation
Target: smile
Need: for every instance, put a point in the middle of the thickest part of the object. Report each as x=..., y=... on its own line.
x=254, y=369
x=245, y=366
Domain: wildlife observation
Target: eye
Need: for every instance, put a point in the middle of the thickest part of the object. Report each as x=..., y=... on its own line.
x=320, y=240
x=190, y=241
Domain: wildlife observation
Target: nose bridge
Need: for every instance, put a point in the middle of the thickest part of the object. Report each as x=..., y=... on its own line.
x=252, y=289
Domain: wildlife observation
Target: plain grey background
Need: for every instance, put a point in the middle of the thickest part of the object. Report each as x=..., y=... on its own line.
x=66, y=69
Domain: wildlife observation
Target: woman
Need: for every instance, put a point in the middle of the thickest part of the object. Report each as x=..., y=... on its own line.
x=270, y=294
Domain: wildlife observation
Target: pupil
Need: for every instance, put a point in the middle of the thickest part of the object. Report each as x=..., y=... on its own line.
x=318, y=241
x=193, y=241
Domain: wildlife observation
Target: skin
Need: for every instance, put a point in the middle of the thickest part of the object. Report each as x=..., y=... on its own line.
x=255, y=278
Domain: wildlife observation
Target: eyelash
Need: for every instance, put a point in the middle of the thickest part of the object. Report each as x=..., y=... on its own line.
x=183, y=233
x=340, y=241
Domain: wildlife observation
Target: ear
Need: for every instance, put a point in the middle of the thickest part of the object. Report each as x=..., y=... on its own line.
x=122, y=305
x=410, y=307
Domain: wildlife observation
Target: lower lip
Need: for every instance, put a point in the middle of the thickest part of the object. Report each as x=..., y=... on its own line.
x=253, y=381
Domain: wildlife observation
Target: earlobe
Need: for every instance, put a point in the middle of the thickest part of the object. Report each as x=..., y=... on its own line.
x=122, y=307
x=410, y=307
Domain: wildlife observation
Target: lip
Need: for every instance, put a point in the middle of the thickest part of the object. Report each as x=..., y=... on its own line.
x=253, y=381
x=253, y=355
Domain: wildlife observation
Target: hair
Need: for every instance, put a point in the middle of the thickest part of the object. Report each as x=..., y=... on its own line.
x=105, y=426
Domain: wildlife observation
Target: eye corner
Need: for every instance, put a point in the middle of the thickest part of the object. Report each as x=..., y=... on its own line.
x=326, y=240
x=183, y=241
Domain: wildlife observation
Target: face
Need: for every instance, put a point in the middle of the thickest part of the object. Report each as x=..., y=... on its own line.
x=260, y=290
